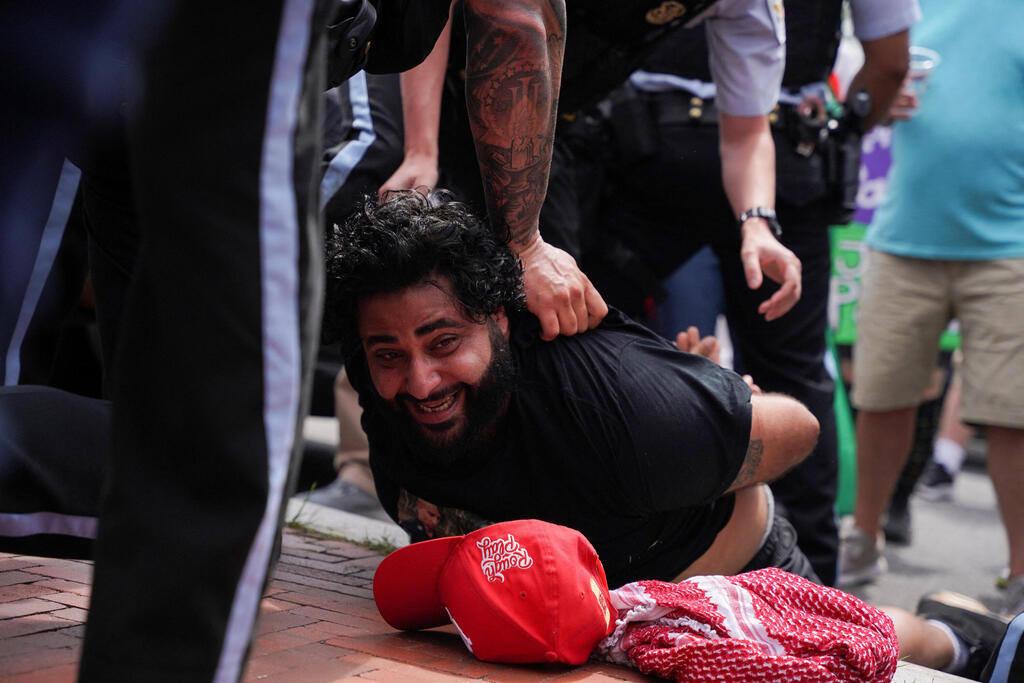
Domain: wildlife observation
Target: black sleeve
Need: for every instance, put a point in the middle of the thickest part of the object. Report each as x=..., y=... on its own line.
x=689, y=420
x=406, y=32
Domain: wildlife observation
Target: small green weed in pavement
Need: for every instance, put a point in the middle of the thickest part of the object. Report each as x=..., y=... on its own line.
x=379, y=545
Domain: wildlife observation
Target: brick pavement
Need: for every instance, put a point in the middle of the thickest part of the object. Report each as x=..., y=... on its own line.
x=318, y=624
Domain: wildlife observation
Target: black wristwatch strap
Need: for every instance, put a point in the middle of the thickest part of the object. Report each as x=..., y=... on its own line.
x=764, y=212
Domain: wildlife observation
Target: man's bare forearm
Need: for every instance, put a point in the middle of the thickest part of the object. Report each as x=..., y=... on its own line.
x=513, y=72
x=885, y=65
x=748, y=161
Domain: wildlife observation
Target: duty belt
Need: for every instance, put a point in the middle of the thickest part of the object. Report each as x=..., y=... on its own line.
x=679, y=108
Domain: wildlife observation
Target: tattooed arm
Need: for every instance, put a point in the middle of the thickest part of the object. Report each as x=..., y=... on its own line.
x=513, y=73
x=782, y=433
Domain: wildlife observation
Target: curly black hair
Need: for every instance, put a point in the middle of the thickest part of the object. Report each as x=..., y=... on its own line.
x=407, y=237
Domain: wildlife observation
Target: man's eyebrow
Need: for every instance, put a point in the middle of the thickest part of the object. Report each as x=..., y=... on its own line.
x=380, y=339
x=436, y=325
x=419, y=331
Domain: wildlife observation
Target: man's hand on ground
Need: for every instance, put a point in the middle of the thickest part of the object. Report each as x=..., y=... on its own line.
x=763, y=255
x=558, y=293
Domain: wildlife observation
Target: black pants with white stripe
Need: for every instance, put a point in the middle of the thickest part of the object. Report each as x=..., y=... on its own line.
x=211, y=363
x=52, y=449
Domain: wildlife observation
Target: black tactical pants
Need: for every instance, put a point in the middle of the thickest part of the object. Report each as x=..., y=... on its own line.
x=665, y=207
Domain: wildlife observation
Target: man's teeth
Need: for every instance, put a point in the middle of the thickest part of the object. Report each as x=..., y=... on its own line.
x=437, y=406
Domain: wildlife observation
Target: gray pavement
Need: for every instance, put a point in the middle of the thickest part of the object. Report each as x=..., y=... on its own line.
x=957, y=545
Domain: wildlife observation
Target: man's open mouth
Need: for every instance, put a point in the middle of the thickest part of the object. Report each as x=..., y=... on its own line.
x=436, y=412
x=438, y=405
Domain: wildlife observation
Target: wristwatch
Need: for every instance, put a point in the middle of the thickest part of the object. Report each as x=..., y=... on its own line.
x=762, y=212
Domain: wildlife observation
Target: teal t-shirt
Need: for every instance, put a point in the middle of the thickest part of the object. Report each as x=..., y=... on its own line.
x=956, y=186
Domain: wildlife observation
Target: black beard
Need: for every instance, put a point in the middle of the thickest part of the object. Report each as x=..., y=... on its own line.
x=485, y=404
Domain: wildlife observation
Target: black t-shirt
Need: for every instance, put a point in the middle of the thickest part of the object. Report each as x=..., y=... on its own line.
x=614, y=432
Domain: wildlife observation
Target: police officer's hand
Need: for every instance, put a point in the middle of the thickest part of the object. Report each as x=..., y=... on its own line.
x=417, y=172
x=557, y=291
x=763, y=255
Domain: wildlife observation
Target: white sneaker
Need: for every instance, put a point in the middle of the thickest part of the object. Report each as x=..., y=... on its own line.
x=860, y=557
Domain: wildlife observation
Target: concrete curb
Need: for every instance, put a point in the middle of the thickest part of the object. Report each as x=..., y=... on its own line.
x=352, y=527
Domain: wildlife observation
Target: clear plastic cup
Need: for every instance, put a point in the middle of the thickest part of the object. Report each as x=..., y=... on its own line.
x=922, y=62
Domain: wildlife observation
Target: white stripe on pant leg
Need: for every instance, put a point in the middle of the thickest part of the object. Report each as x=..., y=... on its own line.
x=282, y=361
x=1008, y=650
x=49, y=244
x=16, y=525
x=351, y=153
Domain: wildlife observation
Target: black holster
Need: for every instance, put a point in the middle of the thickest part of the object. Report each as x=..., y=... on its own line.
x=842, y=160
x=842, y=173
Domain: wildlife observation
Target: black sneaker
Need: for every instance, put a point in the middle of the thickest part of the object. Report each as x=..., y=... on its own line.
x=978, y=628
x=936, y=483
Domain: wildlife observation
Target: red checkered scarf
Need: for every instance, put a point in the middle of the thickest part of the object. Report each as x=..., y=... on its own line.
x=766, y=625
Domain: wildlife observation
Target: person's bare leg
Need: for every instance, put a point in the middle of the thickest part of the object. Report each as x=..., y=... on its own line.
x=883, y=445
x=951, y=427
x=920, y=642
x=1006, y=468
x=352, y=459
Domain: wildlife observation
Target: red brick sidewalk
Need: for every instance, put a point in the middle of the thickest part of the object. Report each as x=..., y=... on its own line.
x=318, y=624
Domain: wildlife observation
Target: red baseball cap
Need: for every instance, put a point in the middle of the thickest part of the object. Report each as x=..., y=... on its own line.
x=523, y=591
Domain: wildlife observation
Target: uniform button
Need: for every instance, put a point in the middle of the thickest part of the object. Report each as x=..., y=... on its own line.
x=352, y=43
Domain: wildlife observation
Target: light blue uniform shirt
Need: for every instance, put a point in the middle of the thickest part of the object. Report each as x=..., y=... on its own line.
x=874, y=19
x=956, y=186
x=747, y=50
x=746, y=41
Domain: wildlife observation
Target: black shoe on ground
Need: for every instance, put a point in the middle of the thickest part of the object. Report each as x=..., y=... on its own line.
x=978, y=628
x=936, y=483
x=897, y=522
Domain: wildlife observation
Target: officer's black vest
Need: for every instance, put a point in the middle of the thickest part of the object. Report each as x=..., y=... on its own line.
x=812, y=40
x=606, y=40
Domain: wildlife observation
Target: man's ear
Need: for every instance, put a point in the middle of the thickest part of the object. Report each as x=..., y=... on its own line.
x=501, y=319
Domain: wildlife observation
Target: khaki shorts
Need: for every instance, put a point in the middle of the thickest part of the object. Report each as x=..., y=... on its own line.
x=905, y=306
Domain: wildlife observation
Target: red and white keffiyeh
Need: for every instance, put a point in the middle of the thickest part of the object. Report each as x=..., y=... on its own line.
x=766, y=625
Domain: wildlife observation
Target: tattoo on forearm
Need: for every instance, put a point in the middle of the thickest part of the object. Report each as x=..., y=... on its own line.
x=751, y=463
x=513, y=71
x=422, y=519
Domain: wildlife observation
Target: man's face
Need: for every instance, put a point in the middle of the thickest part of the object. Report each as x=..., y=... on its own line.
x=441, y=376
